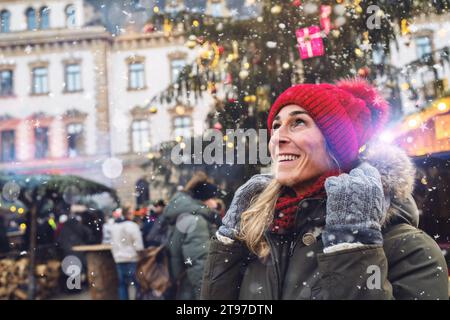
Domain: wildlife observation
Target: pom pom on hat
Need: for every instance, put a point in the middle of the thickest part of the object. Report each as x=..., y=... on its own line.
x=361, y=89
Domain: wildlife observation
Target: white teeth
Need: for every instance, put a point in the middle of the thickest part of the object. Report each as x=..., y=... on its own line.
x=288, y=157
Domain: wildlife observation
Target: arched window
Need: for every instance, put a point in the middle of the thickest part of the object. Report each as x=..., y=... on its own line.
x=4, y=21
x=31, y=19
x=71, y=16
x=44, y=18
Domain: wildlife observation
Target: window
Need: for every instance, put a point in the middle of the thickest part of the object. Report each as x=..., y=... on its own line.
x=176, y=66
x=70, y=16
x=8, y=149
x=41, y=142
x=73, y=77
x=423, y=47
x=140, y=135
x=182, y=126
x=6, y=83
x=136, y=76
x=75, y=139
x=31, y=19
x=217, y=9
x=40, y=80
x=4, y=21
x=44, y=18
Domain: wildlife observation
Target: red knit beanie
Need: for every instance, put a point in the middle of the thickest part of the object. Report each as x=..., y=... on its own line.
x=348, y=113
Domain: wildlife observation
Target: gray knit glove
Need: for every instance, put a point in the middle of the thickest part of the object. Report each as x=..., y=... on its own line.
x=356, y=207
x=241, y=202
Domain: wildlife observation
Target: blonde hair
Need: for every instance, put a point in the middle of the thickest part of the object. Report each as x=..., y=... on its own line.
x=259, y=216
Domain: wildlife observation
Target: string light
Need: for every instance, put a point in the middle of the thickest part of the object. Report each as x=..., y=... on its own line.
x=442, y=106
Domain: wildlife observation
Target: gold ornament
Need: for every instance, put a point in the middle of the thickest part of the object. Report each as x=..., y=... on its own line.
x=250, y=99
x=167, y=27
x=405, y=27
x=359, y=53
x=335, y=33
x=276, y=9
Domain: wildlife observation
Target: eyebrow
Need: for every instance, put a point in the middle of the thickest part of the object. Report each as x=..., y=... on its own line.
x=293, y=113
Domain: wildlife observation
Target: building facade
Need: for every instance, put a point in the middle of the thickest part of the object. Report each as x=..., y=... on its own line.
x=74, y=97
x=418, y=64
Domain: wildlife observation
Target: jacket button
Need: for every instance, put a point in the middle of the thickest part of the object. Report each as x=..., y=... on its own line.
x=308, y=239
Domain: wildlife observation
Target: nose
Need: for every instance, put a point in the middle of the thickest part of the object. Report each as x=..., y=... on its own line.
x=280, y=136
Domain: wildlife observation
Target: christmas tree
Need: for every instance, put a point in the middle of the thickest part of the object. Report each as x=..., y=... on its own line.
x=251, y=61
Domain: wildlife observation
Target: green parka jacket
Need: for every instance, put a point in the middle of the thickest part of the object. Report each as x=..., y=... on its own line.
x=191, y=225
x=409, y=264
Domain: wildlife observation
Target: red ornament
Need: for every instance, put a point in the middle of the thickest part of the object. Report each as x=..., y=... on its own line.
x=310, y=43
x=296, y=3
x=364, y=72
x=221, y=49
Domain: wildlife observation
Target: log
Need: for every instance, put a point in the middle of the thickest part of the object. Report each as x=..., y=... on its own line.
x=14, y=278
x=20, y=294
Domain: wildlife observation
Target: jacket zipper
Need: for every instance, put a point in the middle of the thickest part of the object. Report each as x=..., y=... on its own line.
x=294, y=242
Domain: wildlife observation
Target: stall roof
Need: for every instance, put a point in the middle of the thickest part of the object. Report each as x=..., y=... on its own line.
x=53, y=185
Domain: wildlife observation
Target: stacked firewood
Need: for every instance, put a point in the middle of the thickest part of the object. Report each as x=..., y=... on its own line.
x=47, y=278
x=14, y=278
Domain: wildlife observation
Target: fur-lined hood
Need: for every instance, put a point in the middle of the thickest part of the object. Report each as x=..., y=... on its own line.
x=397, y=175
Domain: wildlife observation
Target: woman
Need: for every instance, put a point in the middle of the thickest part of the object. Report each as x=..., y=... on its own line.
x=334, y=222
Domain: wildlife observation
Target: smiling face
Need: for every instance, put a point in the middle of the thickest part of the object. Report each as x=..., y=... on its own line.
x=298, y=148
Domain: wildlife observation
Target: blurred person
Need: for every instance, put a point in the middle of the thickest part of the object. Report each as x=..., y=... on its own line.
x=74, y=233
x=45, y=232
x=155, y=211
x=126, y=242
x=106, y=230
x=188, y=222
x=93, y=219
x=336, y=220
x=61, y=220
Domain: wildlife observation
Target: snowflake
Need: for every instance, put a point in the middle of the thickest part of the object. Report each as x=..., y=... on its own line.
x=423, y=127
x=188, y=261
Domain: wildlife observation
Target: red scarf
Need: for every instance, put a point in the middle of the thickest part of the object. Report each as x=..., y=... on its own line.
x=287, y=205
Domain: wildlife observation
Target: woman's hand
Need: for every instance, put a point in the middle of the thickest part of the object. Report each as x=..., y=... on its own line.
x=241, y=202
x=356, y=207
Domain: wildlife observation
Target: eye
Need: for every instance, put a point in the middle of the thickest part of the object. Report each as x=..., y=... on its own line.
x=275, y=126
x=298, y=122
